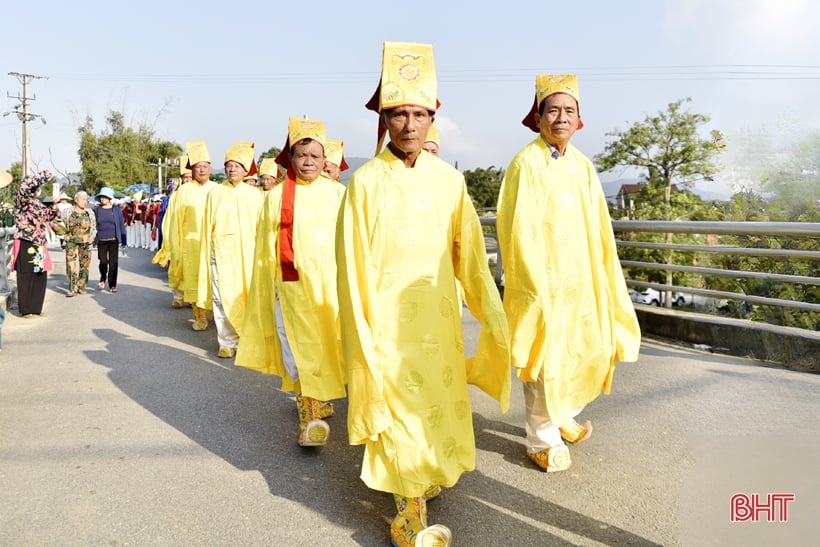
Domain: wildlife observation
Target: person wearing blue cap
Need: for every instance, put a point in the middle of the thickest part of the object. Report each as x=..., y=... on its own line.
x=110, y=235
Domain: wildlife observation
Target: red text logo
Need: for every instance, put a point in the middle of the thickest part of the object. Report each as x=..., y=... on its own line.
x=754, y=508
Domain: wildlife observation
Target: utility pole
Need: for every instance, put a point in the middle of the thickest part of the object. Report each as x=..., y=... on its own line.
x=23, y=114
x=159, y=165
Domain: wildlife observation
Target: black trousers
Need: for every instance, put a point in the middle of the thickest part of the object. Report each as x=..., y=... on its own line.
x=108, y=252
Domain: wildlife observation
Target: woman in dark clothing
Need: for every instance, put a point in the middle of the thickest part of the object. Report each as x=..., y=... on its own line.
x=110, y=236
x=30, y=258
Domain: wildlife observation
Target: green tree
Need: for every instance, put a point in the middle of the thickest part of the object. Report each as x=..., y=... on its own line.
x=483, y=186
x=16, y=172
x=668, y=147
x=271, y=152
x=119, y=155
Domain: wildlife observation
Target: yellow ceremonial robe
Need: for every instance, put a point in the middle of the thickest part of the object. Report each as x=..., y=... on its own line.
x=566, y=300
x=163, y=255
x=404, y=236
x=228, y=236
x=182, y=237
x=310, y=308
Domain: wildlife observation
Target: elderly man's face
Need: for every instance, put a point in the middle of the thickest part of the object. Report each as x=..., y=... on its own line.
x=431, y=147
x=308, y=160
x=235, y=171
x=560, y=120
x=201, y=171
x=186, y=178
x=407, y=127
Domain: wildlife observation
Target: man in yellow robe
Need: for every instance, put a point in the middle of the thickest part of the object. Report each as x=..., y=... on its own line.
x=407, y=230
x=566, y=300
x=183, y=233
x=268, y=172
x=226, y=254
x=296, y=336
x=163, y=256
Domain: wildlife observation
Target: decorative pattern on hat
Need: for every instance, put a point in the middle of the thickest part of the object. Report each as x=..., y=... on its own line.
x=550, y=84
x=197, y=152
x=242, y=152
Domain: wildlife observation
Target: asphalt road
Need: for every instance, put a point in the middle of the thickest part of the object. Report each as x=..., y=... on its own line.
x=120, y=426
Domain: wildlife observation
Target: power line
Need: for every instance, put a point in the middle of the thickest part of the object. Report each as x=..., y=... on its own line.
x=479, y=75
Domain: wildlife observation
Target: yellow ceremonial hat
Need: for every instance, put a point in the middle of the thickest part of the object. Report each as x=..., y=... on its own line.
x=242, y=152
x=268, y=167
x=183, y=166
x=408, y=78
x=304, y=128
x=550, y=84
x=299, y=129
x=335, y=153
x=432, y=135
x=197, y=152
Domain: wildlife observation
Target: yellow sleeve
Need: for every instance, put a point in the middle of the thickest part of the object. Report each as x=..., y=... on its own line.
x=204, y=297
x=368, y=413
x=489, y=370
x=522, y=247
x=626, y=329
x=259, y=346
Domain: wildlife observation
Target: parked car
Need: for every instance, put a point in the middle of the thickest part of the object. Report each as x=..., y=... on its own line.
x=656, y=298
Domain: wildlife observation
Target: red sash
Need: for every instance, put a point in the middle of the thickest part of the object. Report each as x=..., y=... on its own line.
x=286, y=258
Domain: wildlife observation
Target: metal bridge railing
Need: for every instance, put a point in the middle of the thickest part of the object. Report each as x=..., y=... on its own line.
x=783, y=229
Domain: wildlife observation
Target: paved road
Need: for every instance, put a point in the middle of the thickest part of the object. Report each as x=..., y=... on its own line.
x=119, y=426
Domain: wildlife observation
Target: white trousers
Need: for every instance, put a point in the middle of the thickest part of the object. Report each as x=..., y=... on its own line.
x=287, y=354
x=130, y=235
x=226, y=335
x=541, y=433
x=153, y=244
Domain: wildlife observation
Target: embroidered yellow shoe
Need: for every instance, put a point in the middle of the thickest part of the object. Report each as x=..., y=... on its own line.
x=552, y=459
x=409, y=528
x=313, y=431
x=177, y=303
x=325, y=407
x=575, y=433
x=226, y=353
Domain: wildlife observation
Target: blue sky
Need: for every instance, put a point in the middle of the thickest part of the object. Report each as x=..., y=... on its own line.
x=224, y=75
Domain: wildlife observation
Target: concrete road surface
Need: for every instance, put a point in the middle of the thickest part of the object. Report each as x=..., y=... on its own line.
x=120, y=426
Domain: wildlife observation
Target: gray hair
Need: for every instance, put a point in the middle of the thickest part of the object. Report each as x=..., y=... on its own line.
x=80, y=194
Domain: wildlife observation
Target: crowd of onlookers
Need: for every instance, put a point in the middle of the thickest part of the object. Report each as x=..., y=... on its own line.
x=77, y=223
x=141, y=217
